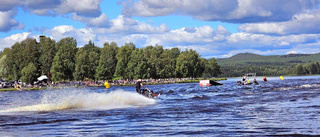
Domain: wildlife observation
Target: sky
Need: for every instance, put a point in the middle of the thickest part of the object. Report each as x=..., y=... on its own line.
x=214, y=28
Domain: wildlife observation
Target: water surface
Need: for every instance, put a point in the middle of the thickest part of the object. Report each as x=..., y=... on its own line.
x=277, y=107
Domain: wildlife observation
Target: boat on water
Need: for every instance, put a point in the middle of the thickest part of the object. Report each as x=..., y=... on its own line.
x=248, y=79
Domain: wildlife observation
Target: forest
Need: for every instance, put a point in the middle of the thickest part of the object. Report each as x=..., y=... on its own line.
x=65, y=61
x=273, y=65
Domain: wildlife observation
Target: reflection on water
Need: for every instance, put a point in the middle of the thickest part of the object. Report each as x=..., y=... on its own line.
x=277, y=107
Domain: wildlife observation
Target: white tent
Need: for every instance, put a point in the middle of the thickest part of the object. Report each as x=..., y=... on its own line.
x=42, y=77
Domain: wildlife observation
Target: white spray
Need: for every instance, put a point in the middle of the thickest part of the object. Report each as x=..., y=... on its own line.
x=81, y=99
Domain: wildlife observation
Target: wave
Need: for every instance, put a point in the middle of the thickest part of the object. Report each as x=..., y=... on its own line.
x=84, y=100
x=298, y=87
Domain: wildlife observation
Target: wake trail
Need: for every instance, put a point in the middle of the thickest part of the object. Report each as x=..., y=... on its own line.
x=83, y=100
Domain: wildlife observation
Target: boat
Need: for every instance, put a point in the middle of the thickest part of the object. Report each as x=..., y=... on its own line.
x=246, y=79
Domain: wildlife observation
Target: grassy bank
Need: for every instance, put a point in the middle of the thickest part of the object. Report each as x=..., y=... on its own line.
x=22, y=89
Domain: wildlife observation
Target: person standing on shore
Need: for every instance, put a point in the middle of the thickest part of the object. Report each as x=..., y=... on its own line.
x=138, y=86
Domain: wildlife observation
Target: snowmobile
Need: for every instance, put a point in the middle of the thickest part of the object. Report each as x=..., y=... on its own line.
x=149, y=93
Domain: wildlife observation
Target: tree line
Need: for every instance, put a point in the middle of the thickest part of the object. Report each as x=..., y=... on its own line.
x=308, y=68
x=64, y=61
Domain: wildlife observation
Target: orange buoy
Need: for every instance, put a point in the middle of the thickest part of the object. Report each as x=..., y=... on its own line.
x=265, y=79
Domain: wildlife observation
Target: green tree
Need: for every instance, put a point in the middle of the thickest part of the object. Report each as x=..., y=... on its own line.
x=63, y=64
x=14, y=57
x=132, y=64
x=204, y=68
x=93, y=64
x=168, y=62
x=81, y=65
x=3, y=66
x=300, y=69
x=182, y=66
x=5, y=51
x=311, y=68
x=107, y=61
x=131, y=45
x=167, y=69
x=214, y=68
x=174, y=54
x=29, y=73
x=48, y=49
x=318, y=66
x=20, y=55
x=4, y=70
x=137, y=66
x=90, y=47
x=31, y=52
x=194, y=60
x=188, y=64
x=142, y=66
x=93, y=53
x=123, y=58
x=153, y=57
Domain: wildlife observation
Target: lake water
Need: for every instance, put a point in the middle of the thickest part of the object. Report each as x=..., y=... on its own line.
x=277, y=107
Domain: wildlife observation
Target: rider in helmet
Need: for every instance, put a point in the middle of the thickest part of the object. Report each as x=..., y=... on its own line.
x=138, y=86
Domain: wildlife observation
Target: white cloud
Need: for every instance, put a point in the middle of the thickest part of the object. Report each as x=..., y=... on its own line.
x=306, y=48
x=149, y=8
x=270, y=28
x=261, y=40
x=124, y=25
x=306, y=22
x=89, y=8
x=7, y=42
x=101, y=35
x=204, y=40
x=250, y=40
x=120, y=30
x=82, y=35
x=7, y=22
x=200, y=35
x=235, y=11
x=208, y=42
x=222, y=30
x=137, y=39
x=82, y=9
x=7, y=5
x=101, y=22
x=206, y=51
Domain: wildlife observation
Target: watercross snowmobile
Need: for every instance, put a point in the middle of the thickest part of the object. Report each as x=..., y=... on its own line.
x=149, y=93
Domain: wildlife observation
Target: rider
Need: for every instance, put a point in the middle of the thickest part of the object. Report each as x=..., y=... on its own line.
x=138, y=86
x=244, y=79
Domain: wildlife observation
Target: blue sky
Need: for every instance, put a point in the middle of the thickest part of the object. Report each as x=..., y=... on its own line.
x=214, y=28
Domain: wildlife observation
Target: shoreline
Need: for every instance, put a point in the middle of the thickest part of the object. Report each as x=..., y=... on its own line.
x=159, y=83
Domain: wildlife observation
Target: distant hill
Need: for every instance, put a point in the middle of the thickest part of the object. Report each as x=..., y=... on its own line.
x=245, y=56
x=271, y=65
